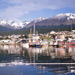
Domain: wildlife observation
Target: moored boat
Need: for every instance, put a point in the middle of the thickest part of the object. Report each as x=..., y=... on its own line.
x=72, y=42
x=25, y=43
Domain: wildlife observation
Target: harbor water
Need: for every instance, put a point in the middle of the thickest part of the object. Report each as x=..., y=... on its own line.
x=17, y=60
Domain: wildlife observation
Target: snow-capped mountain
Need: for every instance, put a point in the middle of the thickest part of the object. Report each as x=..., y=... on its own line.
x=25, y=22
x=40, y=19
x=13, y=24
x=59, y=19
x=35, y=21
x=57, y=22
x=66, y=15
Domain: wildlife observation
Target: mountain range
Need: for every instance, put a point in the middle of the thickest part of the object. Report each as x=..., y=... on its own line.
x=42, y=24
x=13, y=24
x=58, y=20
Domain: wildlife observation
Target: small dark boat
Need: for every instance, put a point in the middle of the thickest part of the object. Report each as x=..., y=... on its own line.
x=34, y=45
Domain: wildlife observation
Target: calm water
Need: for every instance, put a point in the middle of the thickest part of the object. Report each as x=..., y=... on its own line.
x=13, y=59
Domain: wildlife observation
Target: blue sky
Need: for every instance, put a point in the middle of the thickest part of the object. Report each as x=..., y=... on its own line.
x=21, y=10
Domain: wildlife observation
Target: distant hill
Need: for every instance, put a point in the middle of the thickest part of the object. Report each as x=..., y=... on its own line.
x=5, y=29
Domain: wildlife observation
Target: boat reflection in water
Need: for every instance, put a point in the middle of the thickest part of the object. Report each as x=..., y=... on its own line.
x=47, y=59
x=37, y=55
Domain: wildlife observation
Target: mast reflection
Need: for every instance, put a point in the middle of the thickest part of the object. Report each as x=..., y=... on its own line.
x=38, y=55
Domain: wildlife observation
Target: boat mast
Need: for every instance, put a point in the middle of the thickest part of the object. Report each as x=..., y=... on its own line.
x=34, y=27
x=30, y=32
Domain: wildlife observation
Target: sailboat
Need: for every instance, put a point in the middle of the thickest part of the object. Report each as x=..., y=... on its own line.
x=35, y=40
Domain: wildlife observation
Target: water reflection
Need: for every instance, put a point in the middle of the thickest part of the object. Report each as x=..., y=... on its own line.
x=50, y=54
x=19, y=58
x=57, y=69
x=11, y=49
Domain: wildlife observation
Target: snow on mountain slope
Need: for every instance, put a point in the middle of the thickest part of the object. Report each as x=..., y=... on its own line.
x=63, y=18
x=66, y=15
x=13, y=24
x=35, y=21
x=3, y=22
x=58, y=20
x=40, y=19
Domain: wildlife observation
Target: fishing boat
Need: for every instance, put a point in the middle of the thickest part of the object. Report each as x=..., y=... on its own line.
x=7, y=42
x=25, y=43
x=57, y=43
x=72, y=42
x=35, y=41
